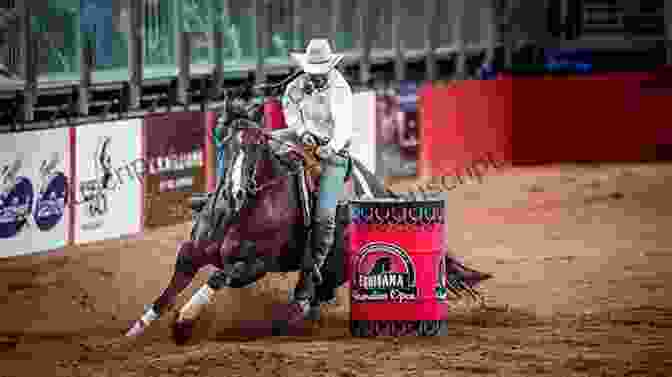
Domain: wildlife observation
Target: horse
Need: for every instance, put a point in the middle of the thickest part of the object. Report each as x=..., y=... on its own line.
x=256, y=223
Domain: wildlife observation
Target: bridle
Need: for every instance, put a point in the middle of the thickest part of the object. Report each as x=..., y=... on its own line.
x=252, y=187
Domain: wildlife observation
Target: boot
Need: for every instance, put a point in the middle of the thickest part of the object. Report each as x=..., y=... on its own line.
x=322, y=240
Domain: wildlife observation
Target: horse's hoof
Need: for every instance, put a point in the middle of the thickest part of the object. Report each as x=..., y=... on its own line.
x=473, y=278
x=298, y=311
x=280, y=328
x=182, y=331
x=331, y=301
x=136, y=330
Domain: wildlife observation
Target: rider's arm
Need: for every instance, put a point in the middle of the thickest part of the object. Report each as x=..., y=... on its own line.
x=290, y=106
x=341, y=105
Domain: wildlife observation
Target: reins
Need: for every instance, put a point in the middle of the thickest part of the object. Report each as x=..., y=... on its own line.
x=254, y=189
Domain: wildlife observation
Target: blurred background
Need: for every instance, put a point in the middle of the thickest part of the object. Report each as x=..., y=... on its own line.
x=386, y=41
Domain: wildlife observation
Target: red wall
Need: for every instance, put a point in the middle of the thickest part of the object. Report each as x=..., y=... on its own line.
x=544, y=119
x=590, y=118
x=462, y=123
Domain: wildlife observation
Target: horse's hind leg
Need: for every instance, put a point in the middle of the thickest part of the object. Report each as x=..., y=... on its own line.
x=191, y=257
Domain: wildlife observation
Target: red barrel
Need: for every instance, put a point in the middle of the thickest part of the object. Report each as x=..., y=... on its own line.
x=394, y=260
x=274, y=118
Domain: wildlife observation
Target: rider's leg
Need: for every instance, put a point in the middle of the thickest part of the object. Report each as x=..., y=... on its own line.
x=332, y=188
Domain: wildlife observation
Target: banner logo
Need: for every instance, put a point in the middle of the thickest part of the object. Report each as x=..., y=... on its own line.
x=384, y=272
x=52, y=196
x=16, y=200
x=95, y=192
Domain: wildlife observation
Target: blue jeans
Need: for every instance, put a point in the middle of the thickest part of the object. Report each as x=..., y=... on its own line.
x=221, y=162
x=332, y=186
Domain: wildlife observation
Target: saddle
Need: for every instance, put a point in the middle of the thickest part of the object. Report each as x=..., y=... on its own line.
x=308, y=178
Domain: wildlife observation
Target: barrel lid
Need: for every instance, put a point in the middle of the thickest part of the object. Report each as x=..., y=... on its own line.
x=401, y=202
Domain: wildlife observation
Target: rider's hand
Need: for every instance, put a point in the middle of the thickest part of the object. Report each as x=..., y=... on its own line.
x=325, y=151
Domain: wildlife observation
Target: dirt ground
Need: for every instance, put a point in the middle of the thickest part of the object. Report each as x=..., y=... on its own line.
x=581, y=258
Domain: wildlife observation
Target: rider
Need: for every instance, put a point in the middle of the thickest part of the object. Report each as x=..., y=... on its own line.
x=317, y=106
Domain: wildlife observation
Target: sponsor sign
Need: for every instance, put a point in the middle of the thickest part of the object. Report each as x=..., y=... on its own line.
x=175, y=155
x=108, y=192
x=34, y=168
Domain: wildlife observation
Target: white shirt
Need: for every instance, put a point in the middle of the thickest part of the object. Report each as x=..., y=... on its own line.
x=326, y=113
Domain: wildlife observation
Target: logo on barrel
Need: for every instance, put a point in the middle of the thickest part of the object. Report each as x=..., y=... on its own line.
x=384, y=272
x=441, y=289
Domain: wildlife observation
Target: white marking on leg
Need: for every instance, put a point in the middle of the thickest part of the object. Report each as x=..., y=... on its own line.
x=149, y=317
x=237, y=174
x=192, y=309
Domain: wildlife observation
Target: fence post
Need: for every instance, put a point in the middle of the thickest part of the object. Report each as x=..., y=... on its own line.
x=458, y=32
x=261, y=31
x=217, y=48
x=492, y=32
x=668, y=31
x=135, y=53
x=29, y=63
x=431, y=10
x=297, y=25
x=85, y=60
x=31, y=89
x=184, y=70
x=504, y=10
x=365, y=42
x=336, y=21
x=23, y=28
x=398, y=13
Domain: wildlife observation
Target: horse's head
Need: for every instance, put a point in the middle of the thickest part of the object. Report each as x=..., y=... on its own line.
x=246, y=171
x=249, y=162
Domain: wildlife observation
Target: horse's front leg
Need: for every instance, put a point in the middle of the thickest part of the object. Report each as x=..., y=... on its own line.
x=191, y=257
x=240, y=269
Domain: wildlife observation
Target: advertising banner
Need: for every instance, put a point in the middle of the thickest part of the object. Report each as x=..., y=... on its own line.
x=34, y=170
x=363, y=145
x=107, y=180
x=397, y=132
x=175, y=152
x=212, y=152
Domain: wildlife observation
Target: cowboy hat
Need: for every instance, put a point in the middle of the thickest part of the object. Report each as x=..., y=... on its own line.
x=318, y=58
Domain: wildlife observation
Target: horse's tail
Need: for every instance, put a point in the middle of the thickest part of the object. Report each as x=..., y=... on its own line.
x=367, y=184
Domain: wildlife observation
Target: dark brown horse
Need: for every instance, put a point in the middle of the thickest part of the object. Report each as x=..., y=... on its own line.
x=255, y=223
